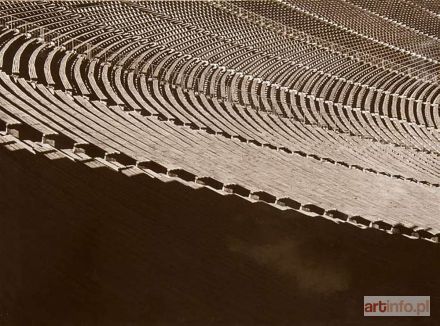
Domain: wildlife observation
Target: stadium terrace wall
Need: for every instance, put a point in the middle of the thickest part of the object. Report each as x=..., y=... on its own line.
x=81, y=244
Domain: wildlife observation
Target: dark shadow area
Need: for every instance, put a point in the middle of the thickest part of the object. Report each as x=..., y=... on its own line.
x=93, y=246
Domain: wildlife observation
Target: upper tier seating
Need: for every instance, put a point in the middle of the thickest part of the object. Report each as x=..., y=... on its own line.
x=405, y=13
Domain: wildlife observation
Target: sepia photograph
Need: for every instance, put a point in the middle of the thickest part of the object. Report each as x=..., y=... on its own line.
x=220, y=162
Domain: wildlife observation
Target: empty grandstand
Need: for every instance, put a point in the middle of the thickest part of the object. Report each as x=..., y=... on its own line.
x=327, y=109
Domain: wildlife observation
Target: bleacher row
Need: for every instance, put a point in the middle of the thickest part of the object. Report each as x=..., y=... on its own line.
x=414, y=17
x=308, y=16
x=194, y=91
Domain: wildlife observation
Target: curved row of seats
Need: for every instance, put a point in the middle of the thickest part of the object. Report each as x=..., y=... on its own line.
x=190, y=153
x=430, y=6
x=430, y=120
x=405, y=13
x=364, y=22
x=293, y=15
x=260, y=36
x=260, y=90
x=118, y=101
x=418, y=91
x=161, y=105
x=196, y=118
x=415, y=95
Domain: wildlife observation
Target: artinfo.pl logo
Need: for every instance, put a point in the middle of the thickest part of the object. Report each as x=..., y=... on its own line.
x=397, y=306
